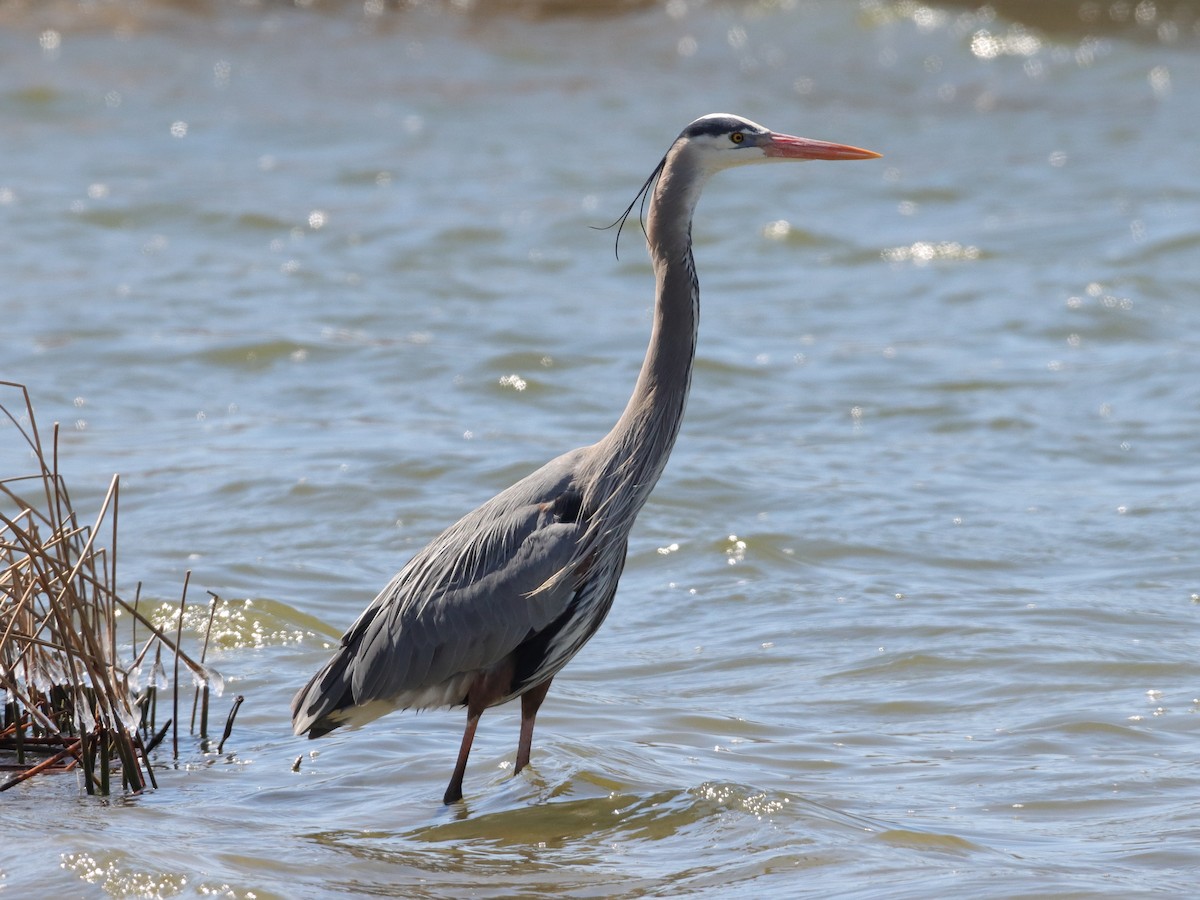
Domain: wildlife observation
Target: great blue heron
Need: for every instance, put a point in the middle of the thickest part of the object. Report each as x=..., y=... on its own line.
x=500, y=601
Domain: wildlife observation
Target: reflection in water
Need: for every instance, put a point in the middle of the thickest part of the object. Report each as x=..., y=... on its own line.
x=612, y=840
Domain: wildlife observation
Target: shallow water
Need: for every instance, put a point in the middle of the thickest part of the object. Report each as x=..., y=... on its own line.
x=913, y=611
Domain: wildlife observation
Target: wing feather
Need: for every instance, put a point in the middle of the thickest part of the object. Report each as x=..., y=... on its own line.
x=462, y=604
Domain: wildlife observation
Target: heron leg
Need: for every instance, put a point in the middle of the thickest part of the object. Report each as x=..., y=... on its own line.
x=454, y=789
x=488, y=687
x=531, y=701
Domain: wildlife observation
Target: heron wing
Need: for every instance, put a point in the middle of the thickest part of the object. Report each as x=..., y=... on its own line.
x=463, y=603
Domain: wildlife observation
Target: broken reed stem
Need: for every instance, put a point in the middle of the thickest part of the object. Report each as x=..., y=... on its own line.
x=104, y=742
x=137, y=597
x=158, y=737
x=131, y=773
x=72, y=750
x=111, y=558
x=187, y=576
x=145, y=754
x=237, y=704
x=212, y=611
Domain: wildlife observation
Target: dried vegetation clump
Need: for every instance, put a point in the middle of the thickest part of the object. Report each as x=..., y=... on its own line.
x=75, y=694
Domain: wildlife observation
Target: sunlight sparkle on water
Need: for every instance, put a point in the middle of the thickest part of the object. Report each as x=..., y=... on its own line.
x=235, y=623
x=924, y=252
x=777, y=230
x=115, y=881
x=1016, y=42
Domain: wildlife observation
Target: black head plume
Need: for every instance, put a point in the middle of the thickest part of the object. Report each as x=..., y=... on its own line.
x=642, y=194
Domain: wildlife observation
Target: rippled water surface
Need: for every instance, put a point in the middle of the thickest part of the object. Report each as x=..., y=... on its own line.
x=913, y=611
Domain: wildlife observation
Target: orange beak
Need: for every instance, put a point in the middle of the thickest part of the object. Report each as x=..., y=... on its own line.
x=785, y=146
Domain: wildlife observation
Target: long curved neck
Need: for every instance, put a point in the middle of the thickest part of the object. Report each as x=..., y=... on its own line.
x=641, y=441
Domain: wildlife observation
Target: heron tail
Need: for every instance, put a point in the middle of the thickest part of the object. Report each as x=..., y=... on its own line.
x=317, y=706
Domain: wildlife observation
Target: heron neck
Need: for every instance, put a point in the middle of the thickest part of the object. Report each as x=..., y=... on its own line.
x=643, y=437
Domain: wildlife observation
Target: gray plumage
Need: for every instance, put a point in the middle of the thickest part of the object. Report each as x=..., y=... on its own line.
x=500, y=601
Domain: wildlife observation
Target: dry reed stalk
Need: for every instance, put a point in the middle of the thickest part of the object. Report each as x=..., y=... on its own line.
x=63, y=688
x=202, y=694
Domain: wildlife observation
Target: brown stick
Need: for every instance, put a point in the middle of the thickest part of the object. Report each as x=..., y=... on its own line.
x=187, y=576
x=70, y=750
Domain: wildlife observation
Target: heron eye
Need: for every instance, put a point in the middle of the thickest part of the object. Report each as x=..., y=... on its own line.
x=737, y=137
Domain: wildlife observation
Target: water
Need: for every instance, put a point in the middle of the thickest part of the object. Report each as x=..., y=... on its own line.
x=913, y=611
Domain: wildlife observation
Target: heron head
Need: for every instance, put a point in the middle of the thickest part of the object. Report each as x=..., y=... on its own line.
x=720, y=141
